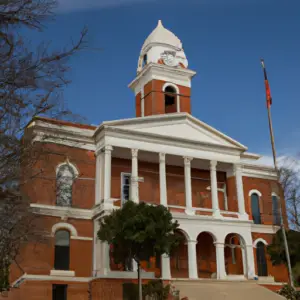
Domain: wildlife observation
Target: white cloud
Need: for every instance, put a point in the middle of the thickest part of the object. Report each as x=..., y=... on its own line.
x=289, y=161
x=74, y=5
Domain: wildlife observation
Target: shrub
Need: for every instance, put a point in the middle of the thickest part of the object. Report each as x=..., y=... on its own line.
x=289, y=293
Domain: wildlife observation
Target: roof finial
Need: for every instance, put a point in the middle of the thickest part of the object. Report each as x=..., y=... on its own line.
x=159, y=23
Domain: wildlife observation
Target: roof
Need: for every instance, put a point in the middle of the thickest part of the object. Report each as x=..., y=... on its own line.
x=63, y=123
x=174, y=126
x=161, y=35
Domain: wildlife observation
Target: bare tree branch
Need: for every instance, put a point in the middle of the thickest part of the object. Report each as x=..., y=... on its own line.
x=290, y=182
x=31, y=84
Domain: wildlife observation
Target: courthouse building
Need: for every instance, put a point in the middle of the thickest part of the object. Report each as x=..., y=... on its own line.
x=225, y=202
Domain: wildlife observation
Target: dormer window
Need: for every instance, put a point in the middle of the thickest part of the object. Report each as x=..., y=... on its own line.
x=170, y=99
x=145, y=61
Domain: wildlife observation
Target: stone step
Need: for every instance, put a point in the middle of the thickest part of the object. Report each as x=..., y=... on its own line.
x=223, y=290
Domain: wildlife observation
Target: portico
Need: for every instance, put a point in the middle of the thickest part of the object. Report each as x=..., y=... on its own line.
x=125, y=142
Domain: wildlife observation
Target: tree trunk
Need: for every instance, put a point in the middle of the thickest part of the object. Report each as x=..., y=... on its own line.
x=139, y=280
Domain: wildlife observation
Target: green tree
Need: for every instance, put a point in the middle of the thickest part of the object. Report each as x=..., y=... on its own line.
x=277, y=252
x=139, y=232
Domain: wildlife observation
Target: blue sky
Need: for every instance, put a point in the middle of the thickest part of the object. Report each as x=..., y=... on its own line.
x=223, y=41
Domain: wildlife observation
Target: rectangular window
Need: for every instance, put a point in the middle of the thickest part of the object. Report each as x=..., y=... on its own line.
x=59, y=291
x=275, y=208
x=125, y=187
x=62, y=257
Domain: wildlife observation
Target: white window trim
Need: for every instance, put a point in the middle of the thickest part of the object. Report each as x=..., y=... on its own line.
x=66, y=226
x=122, y=183
x=259, y=240
x=66, y=273
x=274, y=194
x=255, y=192
x=76, y=173
x=177, y=92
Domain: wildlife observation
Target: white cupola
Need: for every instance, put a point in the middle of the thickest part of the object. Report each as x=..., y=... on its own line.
x=162, y=47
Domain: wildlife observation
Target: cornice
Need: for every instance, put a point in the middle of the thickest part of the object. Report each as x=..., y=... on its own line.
x=163, y=70
x=70, y=136
x=62, y=212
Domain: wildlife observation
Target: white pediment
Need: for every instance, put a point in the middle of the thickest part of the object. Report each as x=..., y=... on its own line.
x=182, y=126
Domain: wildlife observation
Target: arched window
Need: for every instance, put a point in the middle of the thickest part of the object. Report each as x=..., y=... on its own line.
x=62, y=250
x=145, y=61
x=275, y=208
x=255, y=208
x=64, y=185
x=262, y=268
x=170, y=99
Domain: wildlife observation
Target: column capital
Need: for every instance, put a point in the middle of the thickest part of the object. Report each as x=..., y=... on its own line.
x=237, y=167
x=187, y=160
x=213, y=164
x=219, y=244
x=192, y=241
x=162, y=157
x=107, y=149
x=134, y=152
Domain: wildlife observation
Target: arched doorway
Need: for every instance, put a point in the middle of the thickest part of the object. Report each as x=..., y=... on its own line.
x=179, y=258
x=261, y=261
x=235, y=255
x=206, y=256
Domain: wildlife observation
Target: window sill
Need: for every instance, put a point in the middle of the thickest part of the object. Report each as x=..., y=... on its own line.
x=62, y=273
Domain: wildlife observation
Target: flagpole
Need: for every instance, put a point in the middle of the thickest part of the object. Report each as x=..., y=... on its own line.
x=286, y=247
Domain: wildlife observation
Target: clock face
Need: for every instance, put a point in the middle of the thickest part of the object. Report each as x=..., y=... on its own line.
x=169, y=58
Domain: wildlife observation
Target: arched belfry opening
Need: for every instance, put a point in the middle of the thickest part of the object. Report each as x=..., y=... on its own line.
x=170, y=99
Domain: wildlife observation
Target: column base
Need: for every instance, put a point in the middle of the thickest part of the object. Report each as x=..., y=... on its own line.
x=217, y=214
x=244, y=217
x=108, y=204
x=190, y=212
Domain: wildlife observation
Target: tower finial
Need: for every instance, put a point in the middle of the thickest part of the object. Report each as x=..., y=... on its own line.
x=159, y=23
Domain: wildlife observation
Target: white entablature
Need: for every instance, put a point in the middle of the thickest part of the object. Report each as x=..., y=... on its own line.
x=177, y=134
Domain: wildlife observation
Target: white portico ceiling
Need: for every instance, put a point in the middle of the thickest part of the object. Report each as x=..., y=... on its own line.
x=177, y=126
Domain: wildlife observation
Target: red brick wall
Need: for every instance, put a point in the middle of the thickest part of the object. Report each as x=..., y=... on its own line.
x=279, y=272
x=37, y=290
x=42, y=188
x=154, y=101
x=138, y=108
x=266, y=187
x=149, y=189
x=231, y=195
x=38, y=258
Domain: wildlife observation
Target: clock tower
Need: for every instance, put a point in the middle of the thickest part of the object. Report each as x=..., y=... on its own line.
x=163, y=81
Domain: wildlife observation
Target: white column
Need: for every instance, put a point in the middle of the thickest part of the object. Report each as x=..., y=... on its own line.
x=134, y=266
x=188, y=186
x=240, y=192
x=98, y=178
x=165, y=267
x=107, y=174
x=96, y=250
x=105, y=258
x=134, y=187
x=250, y=262
x=192, y=259
x=214, y=189
x=221, y=272
x=162, y=179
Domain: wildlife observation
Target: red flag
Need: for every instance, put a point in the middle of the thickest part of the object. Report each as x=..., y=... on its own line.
x=267, y=86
